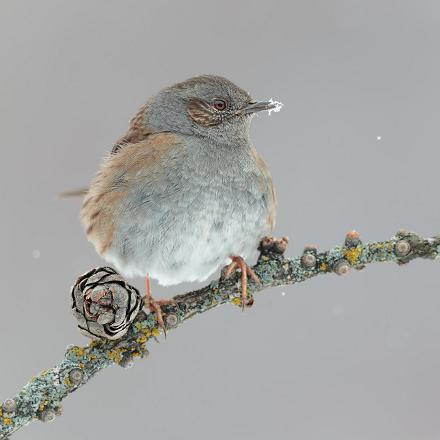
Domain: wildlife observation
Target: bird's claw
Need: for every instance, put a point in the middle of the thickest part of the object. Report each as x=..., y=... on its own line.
x=246, y=272
x=155, y=306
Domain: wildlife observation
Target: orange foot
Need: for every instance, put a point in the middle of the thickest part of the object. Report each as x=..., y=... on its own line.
x=246, y=271
x=155, y=306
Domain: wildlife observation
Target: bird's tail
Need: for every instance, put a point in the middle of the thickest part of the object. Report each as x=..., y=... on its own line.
x=80, y=192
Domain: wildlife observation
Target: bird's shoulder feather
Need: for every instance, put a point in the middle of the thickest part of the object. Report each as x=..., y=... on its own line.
x=137, y=131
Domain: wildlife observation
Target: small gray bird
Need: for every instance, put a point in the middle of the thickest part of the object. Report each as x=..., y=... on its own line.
x=184, y=192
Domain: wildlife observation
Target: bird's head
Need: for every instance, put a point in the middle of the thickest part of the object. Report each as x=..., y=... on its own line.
x=208, y=106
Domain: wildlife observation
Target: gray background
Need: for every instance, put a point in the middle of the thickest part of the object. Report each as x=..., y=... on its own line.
x=352, y=358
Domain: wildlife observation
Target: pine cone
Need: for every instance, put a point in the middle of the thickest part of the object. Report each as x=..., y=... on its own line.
x=104, y=304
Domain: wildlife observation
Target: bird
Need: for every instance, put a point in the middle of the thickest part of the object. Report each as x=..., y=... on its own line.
x=184, y=192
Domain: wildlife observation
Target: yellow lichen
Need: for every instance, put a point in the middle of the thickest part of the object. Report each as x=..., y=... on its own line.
x=323, y=267
x=142, y=339
x=115, y=355
x=236, y=301
x=7, y=421
x=78, y=351
x=145, y=333
x=353, y=254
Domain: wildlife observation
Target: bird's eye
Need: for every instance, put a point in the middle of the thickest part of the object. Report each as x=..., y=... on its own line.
x=220, y=104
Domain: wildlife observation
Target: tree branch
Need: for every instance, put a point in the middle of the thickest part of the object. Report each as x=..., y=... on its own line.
x=41, y=397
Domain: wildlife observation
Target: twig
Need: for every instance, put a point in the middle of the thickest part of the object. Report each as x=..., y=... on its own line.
x=41, y=397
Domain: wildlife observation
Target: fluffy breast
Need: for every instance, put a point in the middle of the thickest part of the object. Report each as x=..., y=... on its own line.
x=177, y=210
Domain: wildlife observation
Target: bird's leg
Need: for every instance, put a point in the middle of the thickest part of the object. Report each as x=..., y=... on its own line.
x=246, y=271
x=155, y=306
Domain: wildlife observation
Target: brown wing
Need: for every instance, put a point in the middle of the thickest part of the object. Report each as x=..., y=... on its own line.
x=137, y=131
x=120, y=172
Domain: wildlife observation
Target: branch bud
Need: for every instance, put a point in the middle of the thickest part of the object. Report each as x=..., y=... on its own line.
x=9, y=405
x=47, y=415
x=402, y=248
x=341, y=267
x=352, y=238
x=76, y=375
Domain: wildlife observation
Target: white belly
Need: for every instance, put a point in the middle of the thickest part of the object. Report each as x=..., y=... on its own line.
x=188, y=238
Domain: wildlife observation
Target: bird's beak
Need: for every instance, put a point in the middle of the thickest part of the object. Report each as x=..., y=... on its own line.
x=258, y=106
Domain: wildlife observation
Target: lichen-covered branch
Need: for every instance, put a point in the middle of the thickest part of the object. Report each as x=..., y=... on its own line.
x=41, y=398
